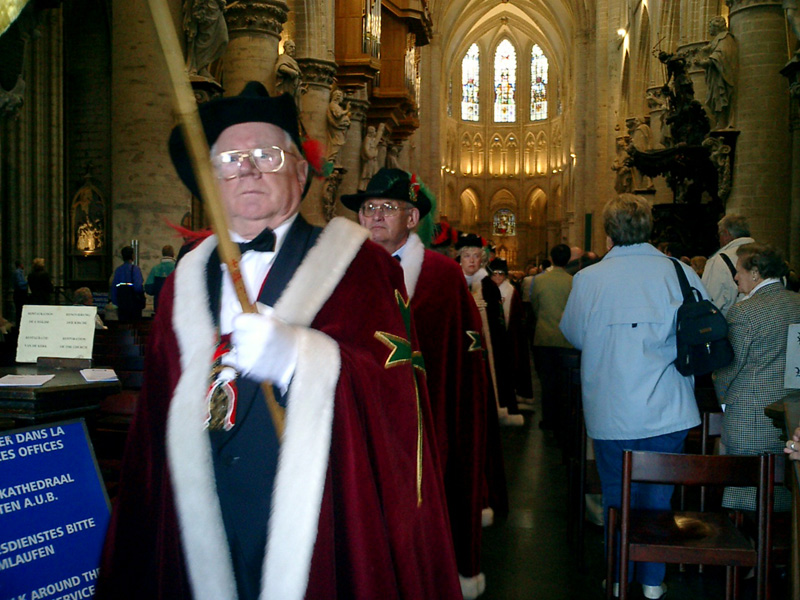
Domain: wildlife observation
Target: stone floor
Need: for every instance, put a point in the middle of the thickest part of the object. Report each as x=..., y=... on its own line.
x=527, y=557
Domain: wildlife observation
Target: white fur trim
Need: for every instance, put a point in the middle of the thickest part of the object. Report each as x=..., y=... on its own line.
x=413, y=256
x=209, y=565
x=507, y=292
x=472, y=587
x=487, y=516
x=321, y=271
x=302, y=467
x=516, y=420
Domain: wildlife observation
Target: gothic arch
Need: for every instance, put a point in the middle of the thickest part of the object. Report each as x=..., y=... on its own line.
x=511, y=166
x=537, y=207
x=477, y=154
x=530, y=154
x=670, y=25
x=466, y=154
x=503, y=198
x=642, y=64
x=541, y=153
x=496, y=155
x=452, y=150
x=625, y=90
x=469, y=207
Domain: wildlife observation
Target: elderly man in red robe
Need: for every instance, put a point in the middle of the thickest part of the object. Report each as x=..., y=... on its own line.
x=349, y=503
x=448, y=324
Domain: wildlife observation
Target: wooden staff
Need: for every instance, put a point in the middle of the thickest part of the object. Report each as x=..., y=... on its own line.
x=489, y=350
x=186, y=107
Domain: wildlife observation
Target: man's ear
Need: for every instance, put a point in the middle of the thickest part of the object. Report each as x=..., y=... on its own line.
x=413, y=217
x=303, y=172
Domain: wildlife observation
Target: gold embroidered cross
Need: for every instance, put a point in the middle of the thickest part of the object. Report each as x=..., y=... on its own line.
x=401, y=353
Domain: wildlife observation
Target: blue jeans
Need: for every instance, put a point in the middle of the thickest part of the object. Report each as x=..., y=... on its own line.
x=647, y=496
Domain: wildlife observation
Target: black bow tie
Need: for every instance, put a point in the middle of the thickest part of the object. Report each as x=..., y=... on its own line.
x=263, y=242
x=397, y=257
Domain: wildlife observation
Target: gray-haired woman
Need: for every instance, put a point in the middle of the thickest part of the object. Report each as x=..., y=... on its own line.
x=757, y=329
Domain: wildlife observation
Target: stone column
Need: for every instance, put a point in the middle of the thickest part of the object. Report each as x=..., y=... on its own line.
x=146, y=191
x=792, y=72
x=762, y=173
x=318, y=78
x=254, y=29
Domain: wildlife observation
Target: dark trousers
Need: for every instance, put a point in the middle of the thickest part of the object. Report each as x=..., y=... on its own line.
x=546, y=361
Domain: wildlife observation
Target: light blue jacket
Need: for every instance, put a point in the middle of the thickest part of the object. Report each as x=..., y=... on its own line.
x=621, y=315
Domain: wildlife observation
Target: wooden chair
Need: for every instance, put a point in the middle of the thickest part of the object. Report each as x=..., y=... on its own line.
x=780, y=534
x=711, y=538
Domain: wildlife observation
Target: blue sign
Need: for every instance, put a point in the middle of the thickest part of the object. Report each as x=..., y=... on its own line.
x=54, y=513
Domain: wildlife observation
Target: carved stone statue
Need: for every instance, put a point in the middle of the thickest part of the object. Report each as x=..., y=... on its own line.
x=206, y=34
x=369, y=155
x=641, y=138
x=721, y=66
x=287, y=71
x=623, y=183
x=393, y=156
x=338, y=124
x=12, y=101
x=720, y=155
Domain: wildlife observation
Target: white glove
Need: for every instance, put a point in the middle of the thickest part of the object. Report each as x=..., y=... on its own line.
x=264, y=347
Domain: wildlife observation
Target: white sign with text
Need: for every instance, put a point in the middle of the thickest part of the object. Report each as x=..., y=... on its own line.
x=56, y=331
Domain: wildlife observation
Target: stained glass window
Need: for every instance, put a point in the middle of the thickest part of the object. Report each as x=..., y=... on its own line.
x=505, y=83
x=470, y=84
x=538, y=84
x=504, y=222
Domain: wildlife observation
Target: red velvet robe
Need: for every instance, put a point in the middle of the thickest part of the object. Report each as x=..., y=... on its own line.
x=448, y=326
x=345, y=520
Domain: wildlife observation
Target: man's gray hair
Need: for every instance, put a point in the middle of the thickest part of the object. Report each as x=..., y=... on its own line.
x=736, y=225
x=628, y=219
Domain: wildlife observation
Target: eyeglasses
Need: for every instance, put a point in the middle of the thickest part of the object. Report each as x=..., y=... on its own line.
x=228, y=164
x=387, y=209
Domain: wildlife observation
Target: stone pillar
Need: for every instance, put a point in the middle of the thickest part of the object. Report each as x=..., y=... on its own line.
x=318, y=78
x=792, y=72
x=762, y=173
x=254, y=29
x=31, y=141
x=146, y=191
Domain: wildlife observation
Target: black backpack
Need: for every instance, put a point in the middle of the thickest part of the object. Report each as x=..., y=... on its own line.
x=702, y=332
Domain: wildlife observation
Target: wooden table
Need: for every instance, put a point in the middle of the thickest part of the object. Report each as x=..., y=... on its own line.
x=68, y=395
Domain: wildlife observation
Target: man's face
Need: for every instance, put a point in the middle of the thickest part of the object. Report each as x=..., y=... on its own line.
x=498, y=278
x=389, y=228
x=256, y=200
x=471, y=260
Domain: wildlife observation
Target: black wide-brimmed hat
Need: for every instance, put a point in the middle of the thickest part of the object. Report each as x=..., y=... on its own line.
x=469, y=240
x=392, y=184
x=498, y=265
x=253, y=104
